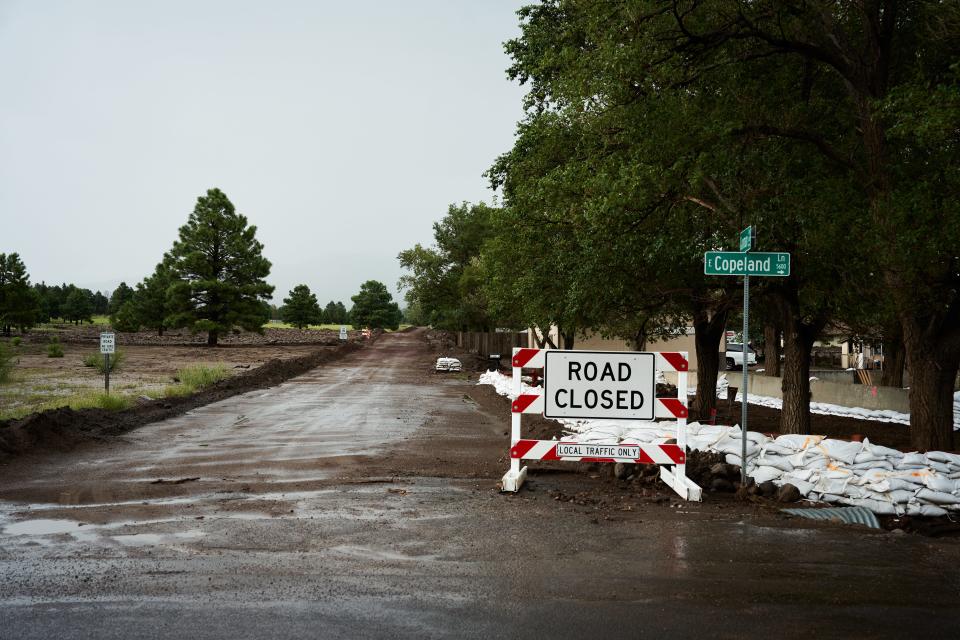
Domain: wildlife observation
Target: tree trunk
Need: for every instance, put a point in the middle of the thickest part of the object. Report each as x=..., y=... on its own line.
x=795, y=385
x=212, y=339
x=933, y=373
x=160, y=330
x=568, y=339
x=894, y=357
x=708, y=332
x=771, y=350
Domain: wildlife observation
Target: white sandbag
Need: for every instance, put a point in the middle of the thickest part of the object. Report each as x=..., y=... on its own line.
x=797, y=442
x=778, y=462
x=831, y=498
x=877, y=506
x=802, y=475
x=872, y=465
x=876, y=450
x=951, y=459
x=765, y=473
x=816, y=463
x=840, y=449
x=835, y=485
x=925, y=510
x=912, y=460
x=937, y=497
x=734, y=459
x=940, y=483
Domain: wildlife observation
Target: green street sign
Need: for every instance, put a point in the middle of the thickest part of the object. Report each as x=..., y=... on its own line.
x=746, y=239
x=732, y=263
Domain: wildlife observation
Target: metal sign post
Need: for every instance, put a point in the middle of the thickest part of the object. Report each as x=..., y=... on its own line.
x=745, y=263
x=107, y=347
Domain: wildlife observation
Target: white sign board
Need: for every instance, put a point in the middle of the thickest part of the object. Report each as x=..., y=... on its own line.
x=620, y=385
x=107, y=343
x=343, y=333
x=617, y=451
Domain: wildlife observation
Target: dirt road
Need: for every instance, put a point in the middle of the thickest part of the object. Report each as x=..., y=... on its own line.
x=359, y=500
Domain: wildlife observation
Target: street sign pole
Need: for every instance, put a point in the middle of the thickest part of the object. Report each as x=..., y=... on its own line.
x=746, y=367
x=106, y=372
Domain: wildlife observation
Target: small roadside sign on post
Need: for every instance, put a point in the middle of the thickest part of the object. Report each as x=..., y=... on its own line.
x=746, y=239
x=732, y=263
x=343, y=332
x=745, y=263
x=108, y=345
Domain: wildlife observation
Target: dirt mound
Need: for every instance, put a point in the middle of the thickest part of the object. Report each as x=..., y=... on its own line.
x=90, y=334
x=64, y=428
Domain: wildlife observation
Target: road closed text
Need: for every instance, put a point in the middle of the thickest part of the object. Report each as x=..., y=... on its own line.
x=599, y=384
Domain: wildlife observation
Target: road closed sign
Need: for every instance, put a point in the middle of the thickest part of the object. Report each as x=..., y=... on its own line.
x=619, y=385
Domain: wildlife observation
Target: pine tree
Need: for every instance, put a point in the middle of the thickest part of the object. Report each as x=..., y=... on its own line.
x=19, y=303
x=374, y=307
x=151, y=301
x=122, y=294
x=220, y=271
x=78, y=307
x=301, y=308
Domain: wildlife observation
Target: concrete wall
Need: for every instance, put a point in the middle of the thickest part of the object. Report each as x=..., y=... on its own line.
x=843, y=394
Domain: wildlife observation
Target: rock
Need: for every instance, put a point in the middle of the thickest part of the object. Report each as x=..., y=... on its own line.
x=768, y=489
x=788, y=493
x=622, y=470
x=719, y=469
x=721, y=484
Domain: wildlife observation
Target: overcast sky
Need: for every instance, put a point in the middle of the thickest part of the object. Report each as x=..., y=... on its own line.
x=341, y=129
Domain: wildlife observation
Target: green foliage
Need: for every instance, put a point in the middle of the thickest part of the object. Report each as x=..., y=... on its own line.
x=301, y=308
x=195, y=378
x=373, y=307
x=19, y=303
x=219, y=271
x=54, y=349
x=445, y=281
x=151, y=300
x=120, y=296
x=6, y=363
x=334, y=313
x=126, y=319
x=78, y=306
x=16, y=341
x=96, y=360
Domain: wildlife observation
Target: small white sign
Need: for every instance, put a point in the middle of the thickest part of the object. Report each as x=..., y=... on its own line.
x=620, y=385
x=343, y=333
x=621, y=451
x=107, y=343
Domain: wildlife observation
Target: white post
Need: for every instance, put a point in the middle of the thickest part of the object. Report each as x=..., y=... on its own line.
x=515, y=420
x=514, y=478
x=682, y=422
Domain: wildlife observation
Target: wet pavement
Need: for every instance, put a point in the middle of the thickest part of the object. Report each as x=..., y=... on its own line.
x=359, y=500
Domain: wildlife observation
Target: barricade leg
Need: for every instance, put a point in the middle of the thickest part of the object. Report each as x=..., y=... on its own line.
x=516, y=476
x=676, y=477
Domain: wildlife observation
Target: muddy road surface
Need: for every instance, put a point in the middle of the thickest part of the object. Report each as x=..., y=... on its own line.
x=360, y=500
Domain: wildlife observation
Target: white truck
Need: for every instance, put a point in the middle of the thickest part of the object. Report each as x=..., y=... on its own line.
x=734, y=356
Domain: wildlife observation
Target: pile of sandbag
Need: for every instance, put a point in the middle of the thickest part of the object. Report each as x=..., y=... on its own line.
x=884, y=480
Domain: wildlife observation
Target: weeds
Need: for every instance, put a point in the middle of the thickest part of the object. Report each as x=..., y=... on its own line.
x=196, y=377
x=54, y=349
x=16, y=341
x=95, y=360
x=6, y=363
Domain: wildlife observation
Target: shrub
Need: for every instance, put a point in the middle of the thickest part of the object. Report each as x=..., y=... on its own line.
x=54, y=349
x=96, y=360
x=196, y=377
x=200, y=376
x=16, y=341
x=6, y=363
x=100, y=400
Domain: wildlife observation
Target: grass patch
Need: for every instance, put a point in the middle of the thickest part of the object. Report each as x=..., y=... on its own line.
x=81, y=400
x=196, y=377
x=16, y=341
x=6, y=363
x=95, y=360
x=54, y=349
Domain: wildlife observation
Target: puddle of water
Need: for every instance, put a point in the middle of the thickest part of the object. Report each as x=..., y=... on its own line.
x=151, y=539
x=41, y=527
x=379, y=554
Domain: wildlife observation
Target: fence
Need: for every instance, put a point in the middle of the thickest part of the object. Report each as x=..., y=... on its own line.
x=485, y=343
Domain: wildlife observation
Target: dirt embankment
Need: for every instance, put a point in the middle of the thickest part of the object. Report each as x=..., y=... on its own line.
x=64, y=428
x=83, y=334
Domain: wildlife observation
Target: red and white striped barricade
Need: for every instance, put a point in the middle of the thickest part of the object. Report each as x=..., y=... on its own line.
x=671, y=457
